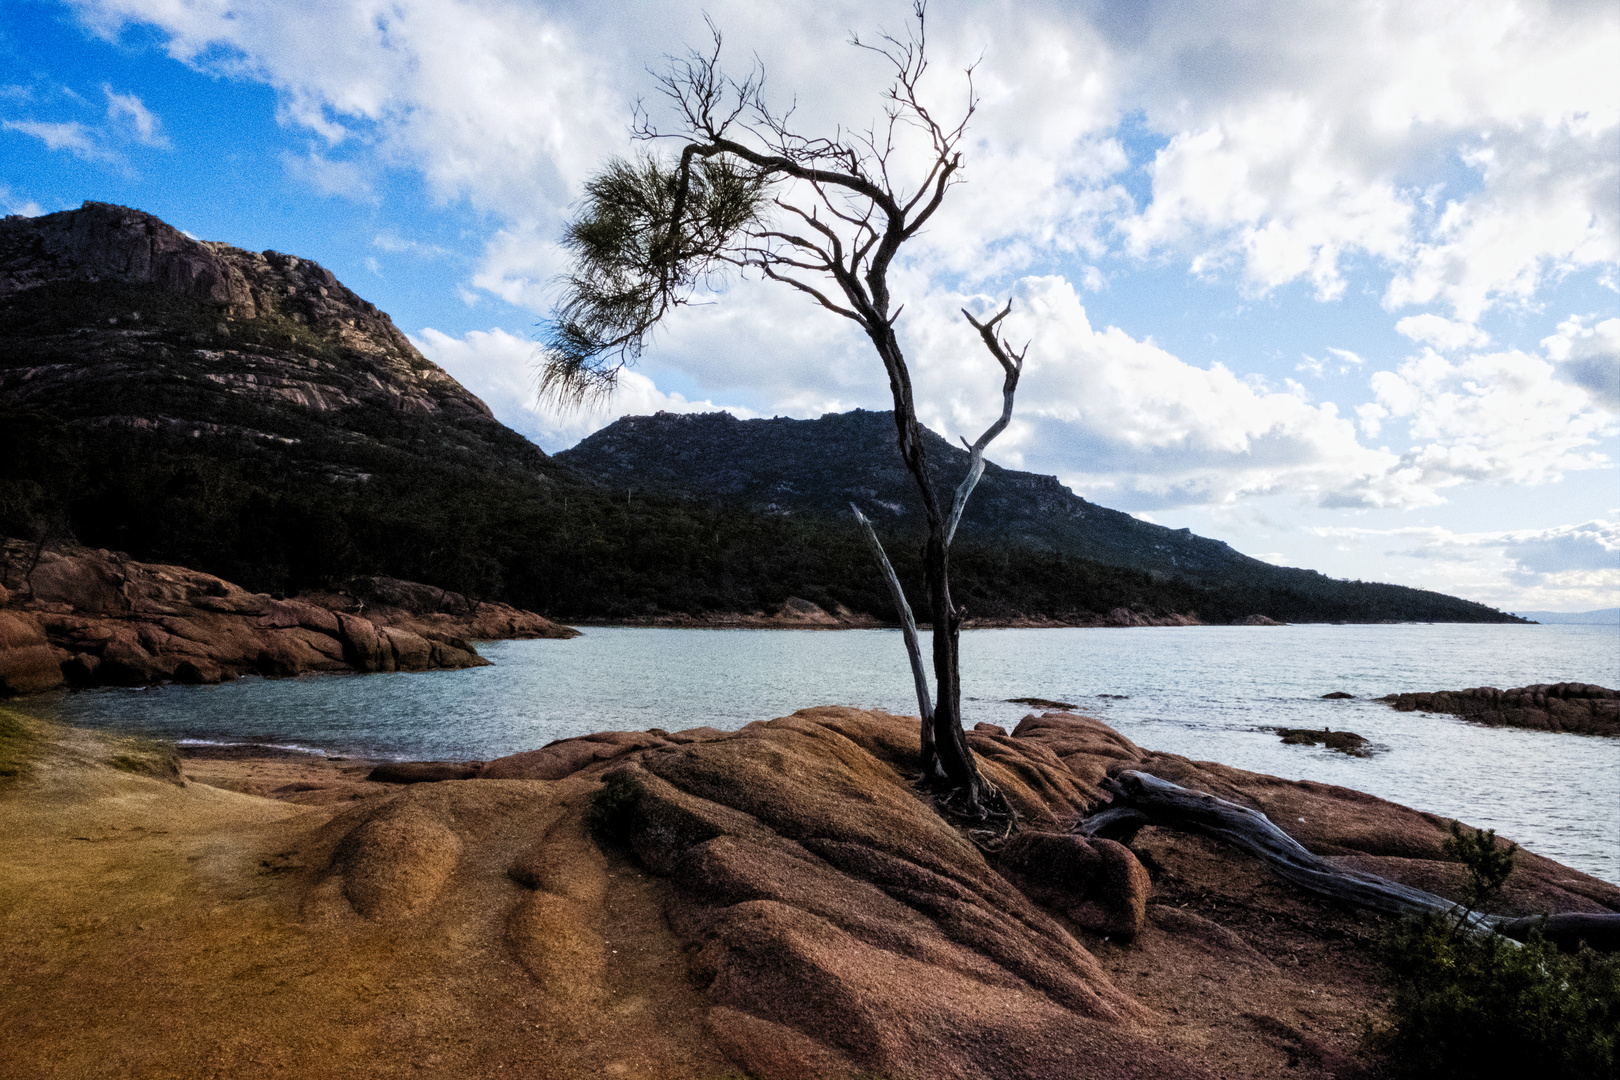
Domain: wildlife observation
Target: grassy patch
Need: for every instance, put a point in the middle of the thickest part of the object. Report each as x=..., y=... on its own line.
x=17, y=739
x=156, y=758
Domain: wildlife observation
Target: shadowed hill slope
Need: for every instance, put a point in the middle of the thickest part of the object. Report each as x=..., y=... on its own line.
x=248, y=416
x=820, y=466
x=816, y=468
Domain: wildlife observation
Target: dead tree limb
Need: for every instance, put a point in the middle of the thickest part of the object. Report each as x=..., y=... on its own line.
x=1141, y=799
x=908, y=628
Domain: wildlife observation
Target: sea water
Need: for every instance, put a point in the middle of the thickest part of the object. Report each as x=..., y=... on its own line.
x=1210, y=693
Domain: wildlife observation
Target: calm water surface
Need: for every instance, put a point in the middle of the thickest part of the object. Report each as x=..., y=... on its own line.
x=1211, y=693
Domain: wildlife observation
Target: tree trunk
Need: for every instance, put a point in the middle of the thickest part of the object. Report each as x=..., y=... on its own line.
x=949, y=762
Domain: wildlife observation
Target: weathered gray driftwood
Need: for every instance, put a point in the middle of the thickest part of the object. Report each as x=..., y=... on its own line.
x=908, y=629
x=1141, y=799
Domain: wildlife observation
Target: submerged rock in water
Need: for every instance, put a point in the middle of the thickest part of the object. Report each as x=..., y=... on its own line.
x=1338, y=695
x=1579, y=708
x=1346, y=742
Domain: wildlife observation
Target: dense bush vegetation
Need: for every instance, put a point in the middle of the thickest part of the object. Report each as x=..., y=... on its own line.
x=1466, y=1005
x=275, y=521
x=1473, y=1006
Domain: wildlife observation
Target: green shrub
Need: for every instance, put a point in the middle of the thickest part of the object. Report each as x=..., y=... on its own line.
x=1479, y=1005
x=1465, y=1004
x=609, y=815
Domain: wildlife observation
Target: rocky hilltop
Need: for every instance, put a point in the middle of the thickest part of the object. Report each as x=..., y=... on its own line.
x=260, y=325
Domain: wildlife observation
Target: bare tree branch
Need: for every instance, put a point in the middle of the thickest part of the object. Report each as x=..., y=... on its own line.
x=1011, y=363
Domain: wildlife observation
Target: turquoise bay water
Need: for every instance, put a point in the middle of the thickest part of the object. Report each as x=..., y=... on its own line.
x=1211, y=693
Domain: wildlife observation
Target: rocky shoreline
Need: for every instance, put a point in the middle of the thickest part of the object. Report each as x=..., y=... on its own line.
x=1577, y=708
x=776, y=901
x=78, y=616
x=796, y=613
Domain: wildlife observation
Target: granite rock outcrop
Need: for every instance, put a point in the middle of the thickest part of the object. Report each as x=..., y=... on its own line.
x=1580, y=708
x=87, y=617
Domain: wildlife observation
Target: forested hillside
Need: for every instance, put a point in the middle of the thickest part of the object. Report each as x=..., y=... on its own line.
x=246, y=414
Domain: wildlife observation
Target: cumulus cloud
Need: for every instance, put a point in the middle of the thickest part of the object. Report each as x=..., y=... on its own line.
x=1295, y=137
x=1444, y=334
x=1589, y=357
x=1300, y=135
x=500, y=368
x=1499, y=417
x=1113, y=414
x=1562, y=568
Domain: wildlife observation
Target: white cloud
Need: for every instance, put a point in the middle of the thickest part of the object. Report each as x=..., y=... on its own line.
x=126, y=111
x=1589, y=357
x=73, y=137
x=501, y=369
x=343, y=179
x=1298, y=137
x=1546, y=209
x=1347, y=362
x=20, y=205
x=1303, y=134
x=1498, y=418
x=1444, y=334
x=1564, y=568
x=1110, y=413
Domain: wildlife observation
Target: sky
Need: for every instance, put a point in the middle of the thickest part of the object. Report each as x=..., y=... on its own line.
x=1337, y=283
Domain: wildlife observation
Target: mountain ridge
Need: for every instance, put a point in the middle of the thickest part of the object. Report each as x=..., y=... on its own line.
x=249, y=416
x=822, y=465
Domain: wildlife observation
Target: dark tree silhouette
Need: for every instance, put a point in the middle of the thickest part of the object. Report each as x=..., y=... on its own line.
x=825, y=216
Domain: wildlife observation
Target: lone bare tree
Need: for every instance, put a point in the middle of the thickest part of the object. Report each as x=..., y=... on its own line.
x=823, y=215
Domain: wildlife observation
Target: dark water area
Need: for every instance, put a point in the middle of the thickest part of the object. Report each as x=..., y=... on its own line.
x=1210, y=693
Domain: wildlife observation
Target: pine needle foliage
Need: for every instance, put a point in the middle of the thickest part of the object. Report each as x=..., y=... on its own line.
x=648, y=235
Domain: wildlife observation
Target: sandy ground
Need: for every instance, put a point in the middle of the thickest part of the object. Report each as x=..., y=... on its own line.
x=179, y=927
x=157, y=929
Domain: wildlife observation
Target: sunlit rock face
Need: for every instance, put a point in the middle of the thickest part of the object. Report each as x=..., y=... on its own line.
x=113, y=317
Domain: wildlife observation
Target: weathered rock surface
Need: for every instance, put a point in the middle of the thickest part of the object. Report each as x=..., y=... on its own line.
x=776, y=902
x=828, y=907
x=101, y=242
x=84, y=617
x=1580, y=708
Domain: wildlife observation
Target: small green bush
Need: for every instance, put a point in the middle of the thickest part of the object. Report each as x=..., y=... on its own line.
x=609, y=815
x=1471, y=1005
x=1466, y=1005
